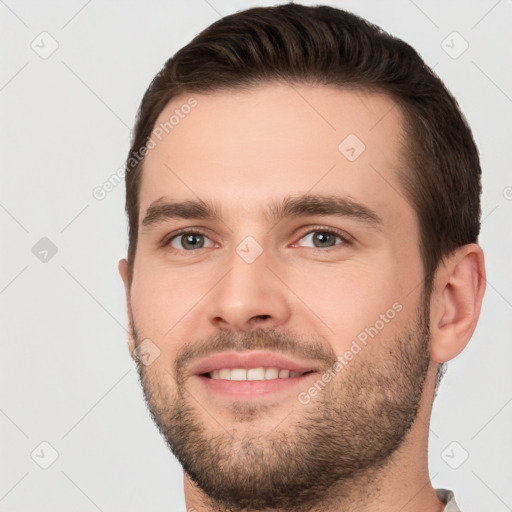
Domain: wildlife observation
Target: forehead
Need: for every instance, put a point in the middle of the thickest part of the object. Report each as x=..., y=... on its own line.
x=244, y=148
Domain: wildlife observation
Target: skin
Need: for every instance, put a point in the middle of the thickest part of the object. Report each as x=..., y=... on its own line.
x=242, y=150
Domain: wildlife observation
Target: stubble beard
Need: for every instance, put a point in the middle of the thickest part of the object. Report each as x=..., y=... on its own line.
x=323, y=449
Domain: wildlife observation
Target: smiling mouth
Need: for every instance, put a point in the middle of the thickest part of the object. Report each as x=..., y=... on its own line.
x=253, y=374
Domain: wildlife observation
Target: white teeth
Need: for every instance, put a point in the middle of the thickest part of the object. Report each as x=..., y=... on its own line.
x=259, y=373
x=271, y=373
x=238, y=374
x=256, y=374
x=225, y=373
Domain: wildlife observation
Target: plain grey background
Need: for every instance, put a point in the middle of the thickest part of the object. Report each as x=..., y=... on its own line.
x=72, y=76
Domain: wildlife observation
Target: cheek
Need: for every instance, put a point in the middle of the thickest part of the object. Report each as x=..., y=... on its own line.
x=356, y=301
x=163, y=300
x=158, y=313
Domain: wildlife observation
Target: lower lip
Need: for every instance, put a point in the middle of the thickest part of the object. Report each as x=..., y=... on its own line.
x=251, y=389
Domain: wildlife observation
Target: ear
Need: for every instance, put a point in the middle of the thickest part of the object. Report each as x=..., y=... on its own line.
x=458, y=290
x=124, y=271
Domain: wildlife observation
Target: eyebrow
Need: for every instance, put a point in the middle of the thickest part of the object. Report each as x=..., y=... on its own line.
x=161, y=210
x=317, y=204
x=289, y=207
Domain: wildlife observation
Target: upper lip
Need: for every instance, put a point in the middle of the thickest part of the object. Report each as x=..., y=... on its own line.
x=252, y=359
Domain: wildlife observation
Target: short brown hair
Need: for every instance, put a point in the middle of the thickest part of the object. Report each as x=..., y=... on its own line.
x=327, y=46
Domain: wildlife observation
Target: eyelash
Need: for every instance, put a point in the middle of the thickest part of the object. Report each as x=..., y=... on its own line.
x=166, y=242
x=345, y=238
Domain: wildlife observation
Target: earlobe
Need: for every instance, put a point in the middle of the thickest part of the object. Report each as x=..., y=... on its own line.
x=124, y=271
x=458, y=290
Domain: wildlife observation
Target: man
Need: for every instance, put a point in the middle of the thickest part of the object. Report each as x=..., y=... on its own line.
x=303, y=197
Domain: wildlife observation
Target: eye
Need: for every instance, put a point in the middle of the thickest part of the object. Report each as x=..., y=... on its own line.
x=323, y=238
x=189, y=241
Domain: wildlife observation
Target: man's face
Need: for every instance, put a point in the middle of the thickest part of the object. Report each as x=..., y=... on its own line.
x=310, y=264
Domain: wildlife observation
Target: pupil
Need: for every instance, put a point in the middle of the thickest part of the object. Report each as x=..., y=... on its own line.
x=192, y=241
x=324, y=239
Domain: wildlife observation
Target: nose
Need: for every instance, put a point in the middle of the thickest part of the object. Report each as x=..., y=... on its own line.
x=249, y=296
